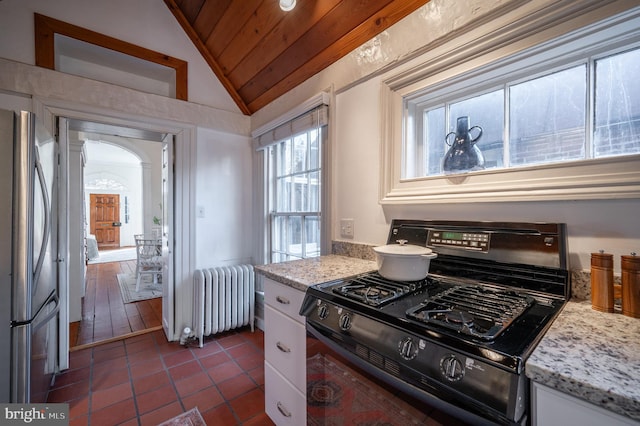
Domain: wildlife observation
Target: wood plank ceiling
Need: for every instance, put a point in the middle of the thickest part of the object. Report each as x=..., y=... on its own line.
x=259, y=52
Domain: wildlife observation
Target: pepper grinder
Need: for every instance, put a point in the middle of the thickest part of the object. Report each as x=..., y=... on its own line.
x=630, y=266
x=602, y=281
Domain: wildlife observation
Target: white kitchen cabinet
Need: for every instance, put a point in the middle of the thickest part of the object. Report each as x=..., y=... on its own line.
x=284, y=348
x=283, y=298
x=285, y=354
x=284, y=403
x=550, y=408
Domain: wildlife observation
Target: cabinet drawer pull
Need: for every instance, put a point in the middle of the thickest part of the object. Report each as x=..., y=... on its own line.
x=282, y=347
x=282, y=300
x=283, y=410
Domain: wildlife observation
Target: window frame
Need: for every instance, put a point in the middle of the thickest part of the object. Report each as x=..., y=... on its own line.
x=46, y=28
x=273, y=195
x=270, y=133
x=465, y=66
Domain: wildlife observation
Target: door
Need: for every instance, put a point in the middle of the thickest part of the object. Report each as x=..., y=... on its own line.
x=35, y=303
x=167, y=238
x=105, y=219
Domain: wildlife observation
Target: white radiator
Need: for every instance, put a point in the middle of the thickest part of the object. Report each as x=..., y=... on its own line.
x=224, y=299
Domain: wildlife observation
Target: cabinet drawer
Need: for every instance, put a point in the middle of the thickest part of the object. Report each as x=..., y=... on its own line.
x=284, y=404
x=286, y=299
x=284, y=346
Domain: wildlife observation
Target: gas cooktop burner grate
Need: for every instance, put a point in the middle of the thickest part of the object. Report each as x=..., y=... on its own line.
x=477, y=311
x=374, y=290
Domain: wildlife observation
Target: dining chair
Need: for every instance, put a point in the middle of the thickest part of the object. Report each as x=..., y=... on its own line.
x=149, y=258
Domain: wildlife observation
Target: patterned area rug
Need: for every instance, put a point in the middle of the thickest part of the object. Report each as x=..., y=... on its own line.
x=337, y=395
x=148, y=290
x=188, y=418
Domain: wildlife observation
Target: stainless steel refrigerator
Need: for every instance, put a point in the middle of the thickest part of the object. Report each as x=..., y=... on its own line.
x=29, y=303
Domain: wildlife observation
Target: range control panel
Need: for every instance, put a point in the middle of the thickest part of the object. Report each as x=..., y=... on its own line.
x=478, y=241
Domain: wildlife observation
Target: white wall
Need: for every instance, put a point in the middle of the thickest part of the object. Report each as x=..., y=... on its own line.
x=611, y=225
x=223, y=199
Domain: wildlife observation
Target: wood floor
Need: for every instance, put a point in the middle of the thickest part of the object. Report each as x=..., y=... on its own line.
x=105, y=316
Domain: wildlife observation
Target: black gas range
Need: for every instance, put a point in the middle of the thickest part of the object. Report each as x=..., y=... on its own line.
x=458, y=339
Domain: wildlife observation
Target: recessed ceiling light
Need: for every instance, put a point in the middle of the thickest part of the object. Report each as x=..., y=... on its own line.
x=287, y=5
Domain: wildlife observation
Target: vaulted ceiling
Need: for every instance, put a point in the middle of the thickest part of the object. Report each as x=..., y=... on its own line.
x=258, y=52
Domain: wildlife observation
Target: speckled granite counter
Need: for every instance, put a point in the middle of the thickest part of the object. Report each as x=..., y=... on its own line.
x=591, y=355
x=302, y=273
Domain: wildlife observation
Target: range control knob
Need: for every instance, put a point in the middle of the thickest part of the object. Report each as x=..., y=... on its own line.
x=345, y=321
x=452, y=368
x=323, y=311
x=407, y=348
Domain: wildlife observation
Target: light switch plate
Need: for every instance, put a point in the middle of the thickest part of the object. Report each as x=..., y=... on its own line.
x=346, y=228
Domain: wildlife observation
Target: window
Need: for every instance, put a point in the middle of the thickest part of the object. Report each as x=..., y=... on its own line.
x=558, y=118
x=539, y=120
x=294, y=175
x=76, y=50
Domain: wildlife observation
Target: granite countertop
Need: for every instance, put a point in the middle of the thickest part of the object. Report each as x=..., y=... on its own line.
x=300, y=274
x=591, y=355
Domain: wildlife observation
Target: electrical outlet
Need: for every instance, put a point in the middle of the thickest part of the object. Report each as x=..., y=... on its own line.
x=346, y=228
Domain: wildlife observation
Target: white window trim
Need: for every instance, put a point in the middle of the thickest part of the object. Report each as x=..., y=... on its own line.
x=614, y=177
x=262, y=195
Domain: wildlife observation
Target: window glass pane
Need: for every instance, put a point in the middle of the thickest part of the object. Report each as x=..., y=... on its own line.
x=283, y=194
x=435, y=130
x=487, y=112
x=300, y=193
x=279, y=234
x=300, y=153
x=314, y=192
x=295, y=236
x=617, y=105
x=283, y=160
x=312, y=234
x=314, y=149
x=547, y=118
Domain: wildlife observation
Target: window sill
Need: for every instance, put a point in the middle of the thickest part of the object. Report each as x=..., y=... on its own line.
x=615, y=177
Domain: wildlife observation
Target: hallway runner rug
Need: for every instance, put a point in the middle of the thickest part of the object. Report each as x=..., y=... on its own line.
x=148, y=290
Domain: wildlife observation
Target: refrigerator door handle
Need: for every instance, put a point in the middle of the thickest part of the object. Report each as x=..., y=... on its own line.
x=47, y=218
x=53, y=297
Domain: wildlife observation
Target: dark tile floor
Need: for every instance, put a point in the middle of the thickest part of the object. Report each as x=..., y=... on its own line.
x=145, y=380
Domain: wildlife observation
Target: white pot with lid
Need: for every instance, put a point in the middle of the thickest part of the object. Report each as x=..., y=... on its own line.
x=403, y=262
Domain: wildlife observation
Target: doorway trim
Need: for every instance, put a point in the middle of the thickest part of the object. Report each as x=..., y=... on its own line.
x=183, y=225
